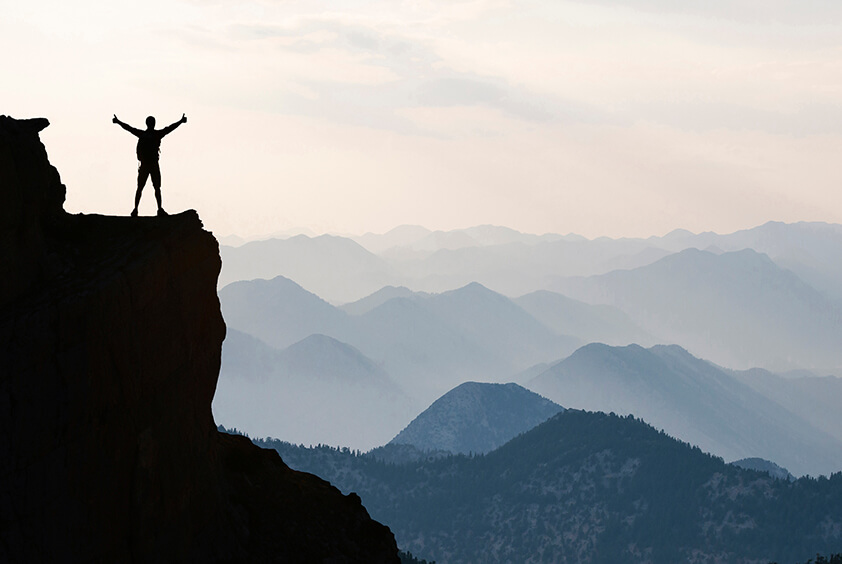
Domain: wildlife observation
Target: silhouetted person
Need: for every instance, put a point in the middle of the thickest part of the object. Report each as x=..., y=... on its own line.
x=148, y=149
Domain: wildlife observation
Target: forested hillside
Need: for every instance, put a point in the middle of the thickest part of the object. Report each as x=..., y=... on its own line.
x=587, y=487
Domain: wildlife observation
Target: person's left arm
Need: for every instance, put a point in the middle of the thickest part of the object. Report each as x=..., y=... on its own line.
x=170, y=128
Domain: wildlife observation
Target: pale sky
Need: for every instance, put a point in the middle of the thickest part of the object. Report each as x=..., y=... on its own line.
x=607, y=117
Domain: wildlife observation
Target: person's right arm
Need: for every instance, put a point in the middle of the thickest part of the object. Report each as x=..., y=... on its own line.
x=127, y=127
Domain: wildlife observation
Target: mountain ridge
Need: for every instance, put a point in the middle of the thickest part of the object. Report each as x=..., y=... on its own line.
x=693, y=400
x=318, y=390
x=520, y=263
x=738, y=309
x=428, y=343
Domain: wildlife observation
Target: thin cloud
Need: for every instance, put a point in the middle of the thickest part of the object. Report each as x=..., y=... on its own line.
x=798, y=12
x=808, y=118
x=421, y=79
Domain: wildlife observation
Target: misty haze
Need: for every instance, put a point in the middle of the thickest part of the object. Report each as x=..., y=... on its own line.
x=343, y=341
x=421, y=282
x=407, y=348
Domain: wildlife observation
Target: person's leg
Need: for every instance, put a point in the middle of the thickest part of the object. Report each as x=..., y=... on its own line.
x=142, y=175
x=156, y=183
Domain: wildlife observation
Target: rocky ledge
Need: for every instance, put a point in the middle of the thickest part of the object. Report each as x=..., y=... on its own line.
x=110, y=347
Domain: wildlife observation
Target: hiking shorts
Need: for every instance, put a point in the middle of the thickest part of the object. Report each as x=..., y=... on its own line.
x=146, y=169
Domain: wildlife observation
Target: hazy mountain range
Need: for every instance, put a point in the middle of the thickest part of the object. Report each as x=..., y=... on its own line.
x=334, y=267
x=692, y=400
x=422, y=316
x=428, y=343
x=817, y=399
x=768, y=297
x=317, y=390
x=738, y=309
x=342, y=269
x=320, y=390
x=590, y=323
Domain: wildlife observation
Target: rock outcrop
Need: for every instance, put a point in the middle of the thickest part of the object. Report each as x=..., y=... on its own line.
x=110, y=347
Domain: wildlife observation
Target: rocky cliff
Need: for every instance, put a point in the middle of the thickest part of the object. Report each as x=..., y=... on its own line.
x=110, y=340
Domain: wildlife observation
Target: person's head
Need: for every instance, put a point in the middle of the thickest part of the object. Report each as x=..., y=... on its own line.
x=150, y=122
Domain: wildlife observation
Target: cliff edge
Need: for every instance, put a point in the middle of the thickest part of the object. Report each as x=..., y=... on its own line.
x=110, y=348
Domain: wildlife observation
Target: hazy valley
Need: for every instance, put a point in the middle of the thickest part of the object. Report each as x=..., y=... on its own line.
x=402, y=345
x=415, y=346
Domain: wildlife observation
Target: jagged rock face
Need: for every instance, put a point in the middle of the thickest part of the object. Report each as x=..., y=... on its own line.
x=110, y=348
x=32, y=196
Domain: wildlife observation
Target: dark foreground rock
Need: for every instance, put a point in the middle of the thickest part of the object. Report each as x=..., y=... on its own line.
x=110, y=347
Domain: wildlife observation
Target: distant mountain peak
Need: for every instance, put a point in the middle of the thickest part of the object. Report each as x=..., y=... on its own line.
x=476, y=417
x=379, y=298
x=601, y=349
x=678, y=234
x=319, y=340
x=475, y=289
x=276, y=285
x=320, y=356
x=762, y=465
x=408, y=228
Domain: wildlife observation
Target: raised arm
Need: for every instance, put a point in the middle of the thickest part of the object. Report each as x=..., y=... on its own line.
x=170, y=128
x=127, y=127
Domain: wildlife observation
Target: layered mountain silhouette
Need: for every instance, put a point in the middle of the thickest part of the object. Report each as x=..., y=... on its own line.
x=424, y=352
x=519, y=268
x=316, y=391
x=400, y=236
x=589, y=323
x=340, y=270
x=764, y=297
x=809, y=249
x=379, y=298
x=110, y=342
x=587, y=487
x=414, y=238
x=336, y=268
x=818, y=399
x=496, y=323
x=428, y=343
x=691, y=399
x=279, y=311
x=476, y=418
x=515, y=263
x=738, y=309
